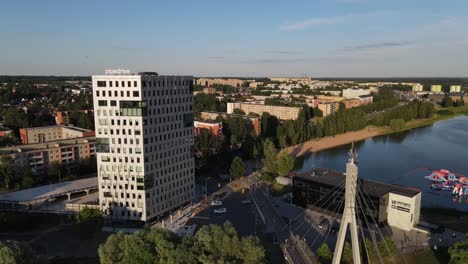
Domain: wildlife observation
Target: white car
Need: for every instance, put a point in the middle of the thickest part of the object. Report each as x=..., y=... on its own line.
x=216, y=203
x=220, y=210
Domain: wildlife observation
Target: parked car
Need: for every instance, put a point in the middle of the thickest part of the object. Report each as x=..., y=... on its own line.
x=220, y=210
x=246, y=201
x=216, y=203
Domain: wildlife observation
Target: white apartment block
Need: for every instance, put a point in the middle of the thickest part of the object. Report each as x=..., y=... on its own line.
x=144, y=134
x=455, y=88
x=355, y=93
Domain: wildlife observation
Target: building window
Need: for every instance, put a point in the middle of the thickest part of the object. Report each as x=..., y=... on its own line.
x=102, y=145
x=102, y=103
x=136, y=94
x=113, y=103
x=133, y=108
x=101, y=83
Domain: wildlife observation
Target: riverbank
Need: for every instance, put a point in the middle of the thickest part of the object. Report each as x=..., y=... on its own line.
x=316, y=145
x=331, y=142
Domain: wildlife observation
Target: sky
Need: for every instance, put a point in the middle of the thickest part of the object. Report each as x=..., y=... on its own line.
x=317, y=38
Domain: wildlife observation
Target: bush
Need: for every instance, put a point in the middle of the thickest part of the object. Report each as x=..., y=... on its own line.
x=266, y=177
x=445, y=112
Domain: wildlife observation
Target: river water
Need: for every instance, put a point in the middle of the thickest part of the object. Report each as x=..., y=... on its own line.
x=396, y=158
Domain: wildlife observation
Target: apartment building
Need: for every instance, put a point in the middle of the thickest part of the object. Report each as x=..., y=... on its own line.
x=258, y=107
x=418, y=88
x=38, y=156
x=354, y=93
x=211, y=82
x=455, y=88
x=144, y=126
x=436, y=88
x=215, y=128
x=33, y=135
x=253, y=123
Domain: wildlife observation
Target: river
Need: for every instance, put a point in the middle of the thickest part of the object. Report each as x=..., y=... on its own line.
x=396, y=158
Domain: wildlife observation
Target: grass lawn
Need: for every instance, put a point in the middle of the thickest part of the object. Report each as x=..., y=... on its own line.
x=426, y=256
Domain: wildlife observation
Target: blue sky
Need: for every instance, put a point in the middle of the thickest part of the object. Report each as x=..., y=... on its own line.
x=320, y=38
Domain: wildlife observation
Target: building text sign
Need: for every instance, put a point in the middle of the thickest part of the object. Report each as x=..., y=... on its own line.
x=117, y=72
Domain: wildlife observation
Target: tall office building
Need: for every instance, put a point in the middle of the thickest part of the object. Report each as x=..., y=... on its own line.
x=144, y=136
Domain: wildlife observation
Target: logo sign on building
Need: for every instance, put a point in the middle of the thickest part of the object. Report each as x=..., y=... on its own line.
x=117, y=72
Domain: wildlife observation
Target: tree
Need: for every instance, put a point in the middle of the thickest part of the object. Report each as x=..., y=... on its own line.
x=7, y=171
x=238, y=111
x=459, y=251
x=386, y=246
x=397, y=124
x=324, y=252
x=447, y=101
x=211, y=244
x=237, y=168
x=270, y=153
x=14, y=252
x=347, y=256
x=285, y=163
x=89, y=221
x=111, y=252
x=27, y=180
x=282, y=136
x=269, y=124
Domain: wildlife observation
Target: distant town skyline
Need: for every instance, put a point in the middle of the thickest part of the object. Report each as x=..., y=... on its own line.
x=335, y=38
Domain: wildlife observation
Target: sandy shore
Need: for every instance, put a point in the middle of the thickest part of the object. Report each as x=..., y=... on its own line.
x=330, y=142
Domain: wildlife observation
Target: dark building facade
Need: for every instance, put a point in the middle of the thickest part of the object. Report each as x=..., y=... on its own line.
x=313, y=188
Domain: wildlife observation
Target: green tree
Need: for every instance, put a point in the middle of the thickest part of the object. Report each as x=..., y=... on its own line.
x=285, y=163
x=14, y=252
x=270, y=153
x=238, y=111
x=89, y=221
x=347, y=256
x=7, y=172
x=397, y=124
x=237, y=168
x=112, y=251
x=369, y=247
x=211, y=244
x=386, y=246
x=324, y=252
x=269, y=124
x=282, y=136
x=447, y=101
x=459, y=251
x=27, y=178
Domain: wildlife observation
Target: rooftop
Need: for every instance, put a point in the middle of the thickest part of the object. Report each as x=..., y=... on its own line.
x=45, y=145
x=373, y=188
x=50, y=190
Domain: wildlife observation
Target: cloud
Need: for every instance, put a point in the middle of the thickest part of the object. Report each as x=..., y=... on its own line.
x=451, y=21
x=285, y=52
x=297, y=60
x=379, y=45
x=312, y=22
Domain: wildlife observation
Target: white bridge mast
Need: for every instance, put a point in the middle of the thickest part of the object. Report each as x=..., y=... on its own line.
x=349, y=213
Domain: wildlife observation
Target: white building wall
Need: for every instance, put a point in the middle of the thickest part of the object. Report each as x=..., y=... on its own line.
x=354, y=93
x=148, y=168
x=403, y=211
